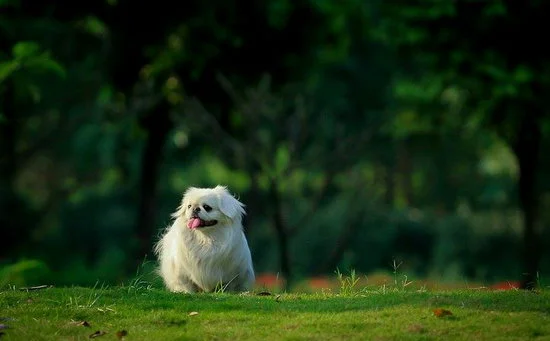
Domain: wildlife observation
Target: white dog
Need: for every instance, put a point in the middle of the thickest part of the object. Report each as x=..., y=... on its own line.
x=205, y=248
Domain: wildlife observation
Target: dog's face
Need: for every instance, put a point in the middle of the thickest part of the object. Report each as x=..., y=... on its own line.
x=206, y=208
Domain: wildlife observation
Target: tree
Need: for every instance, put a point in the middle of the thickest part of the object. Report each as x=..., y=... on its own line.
x=290, y=147
x=19, y=82
x=487, y=49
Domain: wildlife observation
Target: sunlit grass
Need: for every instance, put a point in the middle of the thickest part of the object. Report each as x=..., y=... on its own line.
x=348, y=313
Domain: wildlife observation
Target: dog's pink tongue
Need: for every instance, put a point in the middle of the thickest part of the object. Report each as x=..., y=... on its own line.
x=194, y=223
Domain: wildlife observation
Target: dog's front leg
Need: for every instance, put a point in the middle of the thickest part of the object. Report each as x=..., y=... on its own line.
x=241, y=282
x=182, y=284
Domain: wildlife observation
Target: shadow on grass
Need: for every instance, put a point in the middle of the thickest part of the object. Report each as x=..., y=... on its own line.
x=148, y=300
x=508, y=301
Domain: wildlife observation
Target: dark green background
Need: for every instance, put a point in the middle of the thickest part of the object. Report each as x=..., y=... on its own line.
x=356, y=132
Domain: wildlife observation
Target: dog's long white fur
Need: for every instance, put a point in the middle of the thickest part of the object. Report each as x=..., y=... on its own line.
x=206, y=258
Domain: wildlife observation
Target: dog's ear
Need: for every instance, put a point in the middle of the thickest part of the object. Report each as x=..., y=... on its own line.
x=180, y=211
x=229, y=205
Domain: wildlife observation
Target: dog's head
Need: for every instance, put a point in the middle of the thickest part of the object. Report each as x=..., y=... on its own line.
x=209, y=207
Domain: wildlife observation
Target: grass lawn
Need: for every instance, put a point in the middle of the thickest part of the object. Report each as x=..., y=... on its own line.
x=145, y=313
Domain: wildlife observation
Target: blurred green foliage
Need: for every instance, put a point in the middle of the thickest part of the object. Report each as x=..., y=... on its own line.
x=26, y=272
x=356, y=132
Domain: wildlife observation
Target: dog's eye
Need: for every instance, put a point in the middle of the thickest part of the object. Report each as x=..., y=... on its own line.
x=188, y=206
x=207, y=208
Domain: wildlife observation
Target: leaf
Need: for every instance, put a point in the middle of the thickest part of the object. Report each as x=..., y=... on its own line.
x=121, y=334
x=523, y=74
x=81, y=323
x=97, y=334
x=193, y=313
x=38, y=287
x=7, y=68
x=27, y=55
x=94, y=26
x=105, y=95
x=3, y=326
x=45, y=63
x=494, y=71
x=24, y=49
x=442, y=312
x=282, y=159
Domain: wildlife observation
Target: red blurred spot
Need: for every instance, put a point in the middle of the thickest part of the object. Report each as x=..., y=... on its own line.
x=269, y=280
x=320, y=283
x=508, y=285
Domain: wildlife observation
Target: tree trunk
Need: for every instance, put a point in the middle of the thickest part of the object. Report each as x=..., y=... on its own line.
x=389, y=172
x=405, y=171
x=157, y=124
x=281, y=231
x=341, y=245
x=527, y=150
x=11, y=233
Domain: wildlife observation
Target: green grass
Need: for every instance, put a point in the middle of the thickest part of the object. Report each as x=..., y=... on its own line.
x=154, y=314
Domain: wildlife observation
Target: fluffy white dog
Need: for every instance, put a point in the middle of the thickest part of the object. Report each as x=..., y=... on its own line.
x=205, y=248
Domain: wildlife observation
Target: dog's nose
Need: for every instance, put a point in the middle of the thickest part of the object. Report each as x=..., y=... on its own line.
x=197, y=209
